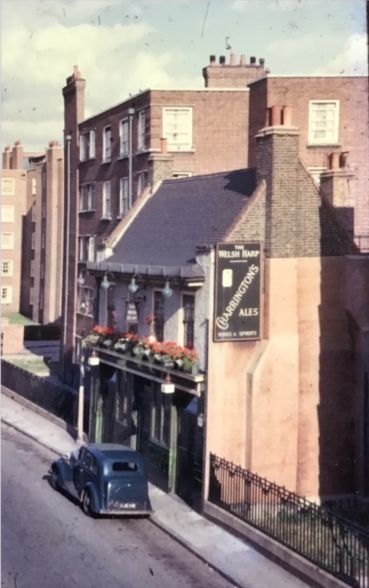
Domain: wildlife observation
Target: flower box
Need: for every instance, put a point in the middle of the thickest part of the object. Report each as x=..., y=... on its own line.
x=168, y=354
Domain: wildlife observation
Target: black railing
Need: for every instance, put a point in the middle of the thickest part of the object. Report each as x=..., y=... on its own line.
x=329, y=541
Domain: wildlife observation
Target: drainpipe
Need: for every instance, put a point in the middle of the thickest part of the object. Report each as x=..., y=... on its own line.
x=68, y=139
x=131, y=112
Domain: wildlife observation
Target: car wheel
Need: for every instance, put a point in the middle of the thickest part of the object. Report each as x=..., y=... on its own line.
x=86, y=503
x=54, y=479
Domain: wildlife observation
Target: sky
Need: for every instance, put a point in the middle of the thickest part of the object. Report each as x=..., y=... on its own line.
x=122, y=47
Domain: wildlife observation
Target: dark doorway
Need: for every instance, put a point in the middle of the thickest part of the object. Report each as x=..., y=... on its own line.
x=189, y=456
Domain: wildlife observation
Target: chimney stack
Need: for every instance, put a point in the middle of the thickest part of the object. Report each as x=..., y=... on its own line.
x=277, y=160
x=232, y=74
x=17, y=156
x=6, y=157
x=336, y=186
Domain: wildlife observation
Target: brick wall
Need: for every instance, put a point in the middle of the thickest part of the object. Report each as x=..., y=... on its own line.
x=352, y=93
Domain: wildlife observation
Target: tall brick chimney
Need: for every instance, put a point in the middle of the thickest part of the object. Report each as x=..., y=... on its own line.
x=277, y=164
x=233, y=74
x=336, y=185
x=6, y=157
x=73, y=93
x=16, y=161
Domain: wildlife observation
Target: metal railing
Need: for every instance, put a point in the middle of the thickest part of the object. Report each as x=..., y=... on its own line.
x=316, y=533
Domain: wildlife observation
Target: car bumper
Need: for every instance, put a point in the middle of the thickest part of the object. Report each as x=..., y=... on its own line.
x=125, y=512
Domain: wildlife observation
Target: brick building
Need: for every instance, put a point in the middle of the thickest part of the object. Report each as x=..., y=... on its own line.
x=13, y=211
x=332, y=116
x=121, y=154
x=113, y=156
x=288, y=401
x=42, y=244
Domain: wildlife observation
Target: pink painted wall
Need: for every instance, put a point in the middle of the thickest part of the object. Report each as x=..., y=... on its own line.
x=282, y=407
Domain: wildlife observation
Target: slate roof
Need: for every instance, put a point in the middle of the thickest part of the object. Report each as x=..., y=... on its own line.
x=182, y=215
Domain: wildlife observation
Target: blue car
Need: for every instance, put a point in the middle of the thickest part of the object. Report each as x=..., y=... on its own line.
x=106, y=479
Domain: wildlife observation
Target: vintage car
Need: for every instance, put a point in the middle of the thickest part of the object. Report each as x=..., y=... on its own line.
x=106, y=478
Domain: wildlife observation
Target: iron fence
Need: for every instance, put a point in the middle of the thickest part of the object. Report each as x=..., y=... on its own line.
x=314, y=532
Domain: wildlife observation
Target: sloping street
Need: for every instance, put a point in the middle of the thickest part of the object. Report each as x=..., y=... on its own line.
x=48, y=542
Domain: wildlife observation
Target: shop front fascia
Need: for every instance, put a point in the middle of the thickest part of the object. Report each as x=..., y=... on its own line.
x=130, y=405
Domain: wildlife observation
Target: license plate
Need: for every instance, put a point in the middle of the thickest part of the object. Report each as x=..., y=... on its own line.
x=129, y=505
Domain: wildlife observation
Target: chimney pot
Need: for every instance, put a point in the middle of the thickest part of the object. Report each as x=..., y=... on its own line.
x=222, y=60
x=212, y=59
x=163, y=145
x=287, y=116
x=261, y=61
x=243, y=59
x=334, y=160
x=275, y=116
x=343, y=159
x=252, y=60
x=232, y=59
x=17, y=142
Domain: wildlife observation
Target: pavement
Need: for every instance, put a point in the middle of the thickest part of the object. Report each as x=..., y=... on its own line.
x=232, y=557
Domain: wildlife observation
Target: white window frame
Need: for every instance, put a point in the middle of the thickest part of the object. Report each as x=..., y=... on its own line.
x=87, y=248
x=324, y=140
x=124, y=203
x=33, y=186
x=142, y=183
x=107, y=136
x=87, y=145
x=176, y=140
x=141, y=130
x=33, y=241
x=85, y=300
x=6, y=263
x=106, y=211
x=34, y=213
x=10, y=189
x=6, y=294
x=124, y=137
x=7, y=213
x=87, y=198
x=7, y=241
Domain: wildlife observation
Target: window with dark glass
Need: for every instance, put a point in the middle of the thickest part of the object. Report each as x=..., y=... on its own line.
x=159, y=315
x=188, y=320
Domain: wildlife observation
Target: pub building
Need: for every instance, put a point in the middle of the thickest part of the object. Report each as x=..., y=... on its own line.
x=252, y=269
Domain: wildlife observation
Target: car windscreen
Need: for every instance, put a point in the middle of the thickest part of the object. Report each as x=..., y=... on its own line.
x=124, y=466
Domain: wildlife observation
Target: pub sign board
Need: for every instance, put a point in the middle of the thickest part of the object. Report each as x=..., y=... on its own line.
x=237, y=292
